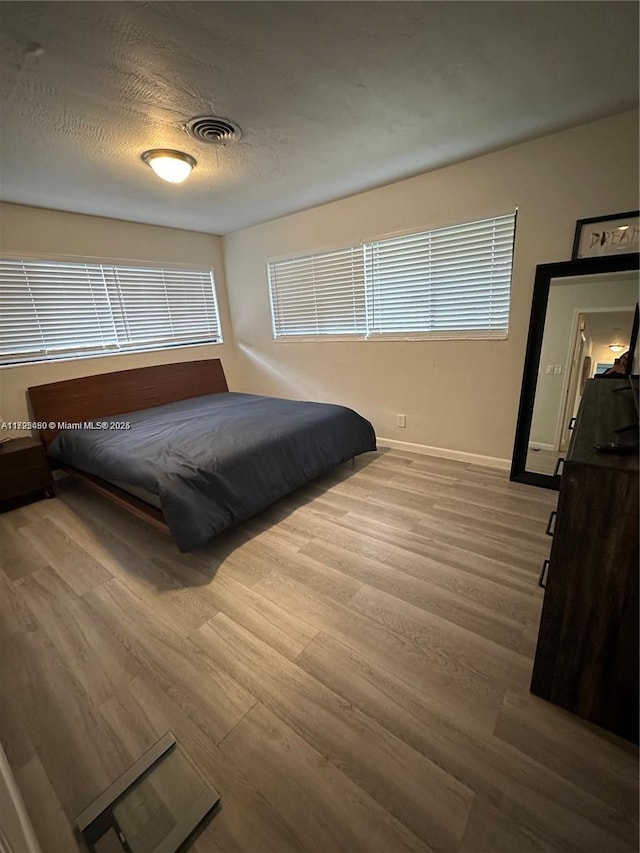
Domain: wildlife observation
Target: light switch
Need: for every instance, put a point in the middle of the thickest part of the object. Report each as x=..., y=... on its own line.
x=557, y=368
x=549, y=369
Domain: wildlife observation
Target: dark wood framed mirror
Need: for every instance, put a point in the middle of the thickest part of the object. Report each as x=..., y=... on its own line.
x=581, y=312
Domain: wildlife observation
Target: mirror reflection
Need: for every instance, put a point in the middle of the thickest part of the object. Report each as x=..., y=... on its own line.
x=586, y=332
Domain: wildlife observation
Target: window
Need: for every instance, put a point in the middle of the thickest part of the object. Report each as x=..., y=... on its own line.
x=52, y=309
x=319, y=294
x=447, y=283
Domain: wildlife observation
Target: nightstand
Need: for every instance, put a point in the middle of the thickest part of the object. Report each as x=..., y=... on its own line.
x=24, y=470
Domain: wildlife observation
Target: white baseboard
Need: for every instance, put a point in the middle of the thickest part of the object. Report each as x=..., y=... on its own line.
x=444, y=453
x=540, y=445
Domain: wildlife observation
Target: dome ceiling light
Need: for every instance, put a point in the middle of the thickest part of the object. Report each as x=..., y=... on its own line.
x=617, y=346
x=172, y=166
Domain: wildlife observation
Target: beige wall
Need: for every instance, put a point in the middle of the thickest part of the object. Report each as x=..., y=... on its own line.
x=457, y=395
x=47, y=232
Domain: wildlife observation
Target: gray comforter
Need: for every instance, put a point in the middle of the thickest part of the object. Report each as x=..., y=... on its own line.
x=216, y=460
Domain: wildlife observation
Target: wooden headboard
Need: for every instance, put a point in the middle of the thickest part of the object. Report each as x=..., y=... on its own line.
x=107, y=394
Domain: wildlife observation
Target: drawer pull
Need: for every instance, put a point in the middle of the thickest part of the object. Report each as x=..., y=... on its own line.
x=552, y=516
x=542, y=583
x=572, y=423
x=556, y=472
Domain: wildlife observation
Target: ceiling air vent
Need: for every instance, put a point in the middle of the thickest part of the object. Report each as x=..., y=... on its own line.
x=213, y=129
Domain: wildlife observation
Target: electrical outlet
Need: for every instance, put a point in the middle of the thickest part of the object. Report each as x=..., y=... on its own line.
x=401, y=420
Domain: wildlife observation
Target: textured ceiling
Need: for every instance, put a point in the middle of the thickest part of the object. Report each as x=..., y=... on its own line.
x=333, y=98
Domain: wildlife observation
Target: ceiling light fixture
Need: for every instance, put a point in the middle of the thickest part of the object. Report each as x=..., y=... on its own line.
x=172, y=166
x=616, y=347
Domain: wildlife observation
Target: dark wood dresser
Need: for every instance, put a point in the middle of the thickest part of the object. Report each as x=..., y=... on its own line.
x=24, y=471
x=587, y=653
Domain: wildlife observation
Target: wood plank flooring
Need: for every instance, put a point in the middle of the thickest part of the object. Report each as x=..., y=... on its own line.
x=349, y=669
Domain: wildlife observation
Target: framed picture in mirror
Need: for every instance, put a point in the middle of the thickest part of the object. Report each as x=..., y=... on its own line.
x=601, y=236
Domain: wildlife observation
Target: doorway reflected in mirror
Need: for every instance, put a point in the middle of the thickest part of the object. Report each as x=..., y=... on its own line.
x=585, y=317
x=582, y=318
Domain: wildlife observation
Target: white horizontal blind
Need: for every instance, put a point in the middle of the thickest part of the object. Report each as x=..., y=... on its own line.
x=447, y=283
x=450, y=282
x=320, y=294
x=162, y=306
x=53, y=309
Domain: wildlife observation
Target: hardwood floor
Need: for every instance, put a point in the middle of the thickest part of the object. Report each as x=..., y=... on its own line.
x=349, y=669
x=542, y=461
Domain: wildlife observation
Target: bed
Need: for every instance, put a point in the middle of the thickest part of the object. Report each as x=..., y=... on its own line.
x=174, y=446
